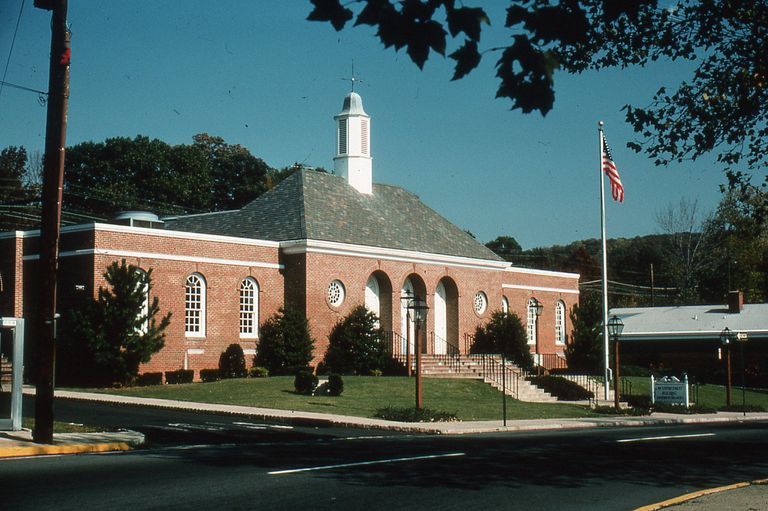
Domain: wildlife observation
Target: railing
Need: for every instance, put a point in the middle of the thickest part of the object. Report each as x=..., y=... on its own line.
x=469, y=340
x=394, y=344
x=491, y=368
x=593, y=383
x=435, y=341
x=553, y=361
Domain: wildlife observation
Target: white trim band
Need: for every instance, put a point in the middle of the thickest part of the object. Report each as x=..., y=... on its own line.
x=163, y=257
x=540, y=288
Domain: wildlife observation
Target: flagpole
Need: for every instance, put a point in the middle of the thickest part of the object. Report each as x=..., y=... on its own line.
x=605, y=261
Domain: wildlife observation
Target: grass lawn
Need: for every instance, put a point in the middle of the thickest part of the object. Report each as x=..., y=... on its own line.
x=709, y=395
x=363, y=395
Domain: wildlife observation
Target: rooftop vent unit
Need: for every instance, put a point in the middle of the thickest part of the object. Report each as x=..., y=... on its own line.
x=138, y=219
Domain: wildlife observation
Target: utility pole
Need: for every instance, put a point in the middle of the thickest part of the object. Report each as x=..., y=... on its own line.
x=53, y=182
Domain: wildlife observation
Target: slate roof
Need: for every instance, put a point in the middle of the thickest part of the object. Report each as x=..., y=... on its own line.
x=319, y=206
x=692, y=322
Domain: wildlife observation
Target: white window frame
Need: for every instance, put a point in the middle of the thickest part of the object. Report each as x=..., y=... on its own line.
x=532, y=320
x=144, y=327
x=249, y=308
x=504, y=305
x=195, y=291
x=560, y=323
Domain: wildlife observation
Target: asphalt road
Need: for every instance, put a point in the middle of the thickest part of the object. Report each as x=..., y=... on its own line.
x=606, y=469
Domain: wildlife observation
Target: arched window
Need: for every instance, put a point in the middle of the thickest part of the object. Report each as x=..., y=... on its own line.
x=144, y=313
x=560, y=322
x=532, y=319
x=194, y=306
x=504, y=305
x=249, y=308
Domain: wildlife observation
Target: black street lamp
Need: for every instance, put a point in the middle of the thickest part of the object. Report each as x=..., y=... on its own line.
x=615, y=327
x=418, y=309
x=538, y=308
x=725, y=339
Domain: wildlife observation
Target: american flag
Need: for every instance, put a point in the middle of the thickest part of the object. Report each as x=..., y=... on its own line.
x=617, y=189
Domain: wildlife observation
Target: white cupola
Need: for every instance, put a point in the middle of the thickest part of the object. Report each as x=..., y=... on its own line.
x=353, y=145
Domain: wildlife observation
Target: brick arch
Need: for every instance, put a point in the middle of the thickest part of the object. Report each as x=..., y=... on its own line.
x=445, y=338
x=378, y=297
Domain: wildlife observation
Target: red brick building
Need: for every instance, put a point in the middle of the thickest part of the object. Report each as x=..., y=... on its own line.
x=321, y=242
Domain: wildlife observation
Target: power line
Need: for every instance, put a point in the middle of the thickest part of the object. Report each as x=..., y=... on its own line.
x=10, y=52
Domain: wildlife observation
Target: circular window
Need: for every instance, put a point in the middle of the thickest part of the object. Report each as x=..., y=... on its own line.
x=481, y=302
x=336, y=293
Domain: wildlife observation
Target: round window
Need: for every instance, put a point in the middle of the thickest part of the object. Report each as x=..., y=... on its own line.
x=336, y=293
x=481, y=302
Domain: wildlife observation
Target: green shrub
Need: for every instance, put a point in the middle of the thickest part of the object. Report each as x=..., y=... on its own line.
x=691, y=410
x=179, y=376
x=335, y=384
x=146, y=379
x=504, y=333
x=285, y=343
x=208, y=375
x=305, y=382
x=356, y=344
x=232, y=362
x=562, y=389
x=641, y=401
x=258, y=372
x=413, y=414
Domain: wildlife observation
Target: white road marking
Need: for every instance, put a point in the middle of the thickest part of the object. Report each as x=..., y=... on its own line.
x=361, y=463
x=252, y=425
x=648, y=438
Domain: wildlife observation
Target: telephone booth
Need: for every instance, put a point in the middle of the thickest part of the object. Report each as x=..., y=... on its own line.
x=11, y=369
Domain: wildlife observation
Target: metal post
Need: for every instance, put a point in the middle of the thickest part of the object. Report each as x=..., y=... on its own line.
x=728, y=375
x=743, y=380
x=504, y=390
x=53, y=181
x=616, y=375
x=606, y=361
x=417, y=347
x=408, y=342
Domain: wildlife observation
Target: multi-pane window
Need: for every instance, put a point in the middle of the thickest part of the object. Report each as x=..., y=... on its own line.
x=194, y=306
x=144, y=313
x=249, y=308
x=532, y=321
x=560, y=322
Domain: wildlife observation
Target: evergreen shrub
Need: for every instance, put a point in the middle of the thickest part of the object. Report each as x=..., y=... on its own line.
x=258, y=372
x=335, y=384
x=305, y=382
x=146, y=379
x=232, y=362
x=179, y=376
x=208, y=375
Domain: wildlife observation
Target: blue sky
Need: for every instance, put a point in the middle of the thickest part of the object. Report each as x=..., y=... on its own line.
x=260, y=75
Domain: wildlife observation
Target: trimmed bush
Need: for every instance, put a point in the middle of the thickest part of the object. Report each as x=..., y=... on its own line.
x=413, y=414
x=641, y=401
x=208, y=375
x=610, y=410
x=562, y=389
x=146, y=379
x=356, y=344
x=335, y=385
x=285, y=343
x=232, y=362
x=504, y=333
x=179, y=376
x=258, y=372
x=305, y=382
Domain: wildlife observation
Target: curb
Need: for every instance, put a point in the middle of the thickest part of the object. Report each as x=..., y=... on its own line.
x=696, y=494
x=49, y=450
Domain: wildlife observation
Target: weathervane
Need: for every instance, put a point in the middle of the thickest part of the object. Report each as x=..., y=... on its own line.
x=353, y=79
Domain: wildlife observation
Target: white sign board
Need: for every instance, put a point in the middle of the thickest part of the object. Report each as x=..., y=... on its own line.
x=670, y=390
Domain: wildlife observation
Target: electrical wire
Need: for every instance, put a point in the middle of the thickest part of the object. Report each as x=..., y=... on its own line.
x=10, y=52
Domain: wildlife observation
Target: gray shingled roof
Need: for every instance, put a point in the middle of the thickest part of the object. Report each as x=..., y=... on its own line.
x=692, y=322
x=319, y=206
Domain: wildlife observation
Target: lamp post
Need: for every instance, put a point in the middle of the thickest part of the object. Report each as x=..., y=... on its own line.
x=725, y=339
x=538, y=308
x=742, y=338
x=615, y=327
x=418, y=307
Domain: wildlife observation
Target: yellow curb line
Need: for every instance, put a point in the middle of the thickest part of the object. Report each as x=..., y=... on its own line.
x=697, y=494
x=11, y=452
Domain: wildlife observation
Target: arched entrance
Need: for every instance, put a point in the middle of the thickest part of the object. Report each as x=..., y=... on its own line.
x=413, y=285
x=378, y=298
x=446, y=313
